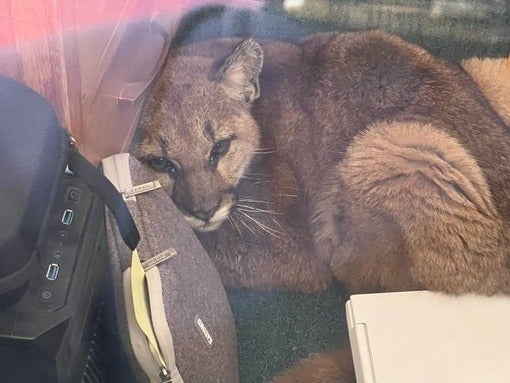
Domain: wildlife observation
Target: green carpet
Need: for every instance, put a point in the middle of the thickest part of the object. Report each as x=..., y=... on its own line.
x=276, y=329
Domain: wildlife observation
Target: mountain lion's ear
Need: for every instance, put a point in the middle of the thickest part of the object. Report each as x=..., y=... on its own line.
x=239, y=74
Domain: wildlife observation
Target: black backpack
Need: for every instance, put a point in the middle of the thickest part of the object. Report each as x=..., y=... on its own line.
x=52, y=243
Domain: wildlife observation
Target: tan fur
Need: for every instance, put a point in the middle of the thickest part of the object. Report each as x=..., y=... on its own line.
x=330, y=367
x=493, y=77
x=189, y=97
x=186, y=137
x=411, y=165
x=364, y=159
x=378, y=147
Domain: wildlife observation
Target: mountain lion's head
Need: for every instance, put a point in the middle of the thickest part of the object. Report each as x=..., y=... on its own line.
x=197, y=131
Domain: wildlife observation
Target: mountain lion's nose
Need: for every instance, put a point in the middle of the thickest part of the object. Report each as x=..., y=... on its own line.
x=204, y=215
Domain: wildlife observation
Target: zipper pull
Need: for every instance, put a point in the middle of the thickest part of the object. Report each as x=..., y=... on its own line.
x=164, y=375
x=70, y=140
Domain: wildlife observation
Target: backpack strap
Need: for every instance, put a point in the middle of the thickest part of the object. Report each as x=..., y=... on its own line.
x=17, y=279
x=108, y=193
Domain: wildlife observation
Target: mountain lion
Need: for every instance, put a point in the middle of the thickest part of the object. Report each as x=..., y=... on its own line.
x=353, y=156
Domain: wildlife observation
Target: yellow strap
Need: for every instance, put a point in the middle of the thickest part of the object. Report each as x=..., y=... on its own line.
x=141, y=304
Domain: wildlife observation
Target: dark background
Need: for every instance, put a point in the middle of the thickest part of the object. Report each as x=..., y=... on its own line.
x=452, y=29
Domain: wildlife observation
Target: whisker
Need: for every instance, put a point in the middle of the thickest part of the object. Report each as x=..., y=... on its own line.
x=241, y=199
x=262, y=152
x=256, y=209
x=232, y=222
x=267, y=229
x=279, y=225
x=245, y=225
x=263, y=182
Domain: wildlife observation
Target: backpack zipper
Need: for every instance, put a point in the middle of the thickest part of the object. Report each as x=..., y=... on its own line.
x=164, y=375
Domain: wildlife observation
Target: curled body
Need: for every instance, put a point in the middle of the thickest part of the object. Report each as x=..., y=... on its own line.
x=353, y=156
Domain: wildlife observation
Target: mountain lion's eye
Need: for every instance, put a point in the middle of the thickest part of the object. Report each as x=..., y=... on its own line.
x=162, y=164
x=219, y=149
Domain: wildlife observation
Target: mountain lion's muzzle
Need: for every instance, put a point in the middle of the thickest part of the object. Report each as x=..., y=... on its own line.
x=204, y=203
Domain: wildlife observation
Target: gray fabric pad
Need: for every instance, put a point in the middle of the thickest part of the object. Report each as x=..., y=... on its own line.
x=191, y=287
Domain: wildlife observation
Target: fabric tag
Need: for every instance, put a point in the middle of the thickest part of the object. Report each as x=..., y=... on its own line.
x=140, y=189
x=156, y=260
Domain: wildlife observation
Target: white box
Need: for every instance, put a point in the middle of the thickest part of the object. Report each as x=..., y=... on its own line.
x=426, y=337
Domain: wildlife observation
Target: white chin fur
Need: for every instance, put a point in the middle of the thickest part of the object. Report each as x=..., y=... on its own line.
x=208, y=227
x=215, y=222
